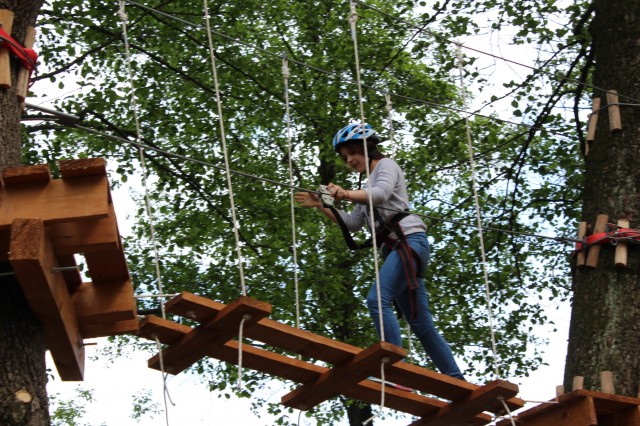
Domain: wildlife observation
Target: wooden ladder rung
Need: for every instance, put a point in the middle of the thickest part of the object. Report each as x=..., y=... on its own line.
x=336, y=380
x=220, y=329
x=485, y=398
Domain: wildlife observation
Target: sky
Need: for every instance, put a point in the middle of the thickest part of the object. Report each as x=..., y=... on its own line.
x=115, y=384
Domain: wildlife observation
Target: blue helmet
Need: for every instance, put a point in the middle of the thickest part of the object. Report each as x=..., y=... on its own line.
x=354, y=132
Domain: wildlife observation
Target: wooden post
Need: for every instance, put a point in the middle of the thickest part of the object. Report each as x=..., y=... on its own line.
x=606, y=382
x=559, y=391
x=594, y=250
x=22, y=86
x=582, y=231
x=615, y=123
x=621, y=248
x=593, y=124
x=6, y=22
x=578, y=382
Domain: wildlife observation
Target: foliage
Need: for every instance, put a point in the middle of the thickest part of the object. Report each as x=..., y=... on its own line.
x=69, y=412
x=526, y=165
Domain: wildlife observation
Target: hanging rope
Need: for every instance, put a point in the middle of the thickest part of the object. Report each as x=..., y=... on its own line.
x=134, y=108
x=165, y=388
x=383, y=382
x=389, y=108
x=294, y=240
x=245, y=317
x=223, y=138
x=353, y=18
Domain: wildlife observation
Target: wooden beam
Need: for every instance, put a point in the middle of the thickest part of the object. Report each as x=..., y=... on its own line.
x=6, y=22
x=222, y=328
x=581, y=257
x=268, y=331
x=104, y=303
x=594, y=251
x=32, y=259
x=622, y=249
x=107, y=266
x=85, y=236
x=593, y=121
x=482, y=399
x=39, y=173
x=22, y=84
x=58, y=201
x=333, y=382
x=613, y=105
x=83, y=167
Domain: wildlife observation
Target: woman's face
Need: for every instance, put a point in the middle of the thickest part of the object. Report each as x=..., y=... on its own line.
x=354, y=157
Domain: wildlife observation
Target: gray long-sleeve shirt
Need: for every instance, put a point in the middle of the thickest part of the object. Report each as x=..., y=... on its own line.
x=388, y=190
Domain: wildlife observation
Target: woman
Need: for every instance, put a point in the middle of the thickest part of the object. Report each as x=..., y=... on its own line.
x=404, y=244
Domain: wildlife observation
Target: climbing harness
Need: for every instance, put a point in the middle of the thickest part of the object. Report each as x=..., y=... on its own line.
x=386, y=242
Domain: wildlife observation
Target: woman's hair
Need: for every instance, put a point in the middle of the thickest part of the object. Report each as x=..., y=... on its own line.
x=357, y=147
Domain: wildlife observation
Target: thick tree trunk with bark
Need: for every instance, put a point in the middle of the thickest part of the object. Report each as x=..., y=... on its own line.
x=23, y=398
x=605, y=331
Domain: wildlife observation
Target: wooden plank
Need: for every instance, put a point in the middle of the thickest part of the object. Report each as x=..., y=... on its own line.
x=594, y=251
x=285, y=367
x=572, y=412
x=459, y=412
x=107, y=266
x=104, y=303
x=59, y=201
x=622, y=250
x=32, y=259
x=269, y=331
x=593, y=121
x=333, y=382
x=6, y=22
x=581, y=257
x=222, y=328
x=86, y=236
x=39, y=173
x=22, y=84
x=83, y=167
x=615, y=123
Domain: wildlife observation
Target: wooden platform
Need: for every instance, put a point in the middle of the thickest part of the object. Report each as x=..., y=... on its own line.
x=343, y=369
x=582, y=408
x=44, y=223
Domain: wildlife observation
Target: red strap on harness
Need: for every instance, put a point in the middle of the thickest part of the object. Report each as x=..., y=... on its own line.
x=28, y=57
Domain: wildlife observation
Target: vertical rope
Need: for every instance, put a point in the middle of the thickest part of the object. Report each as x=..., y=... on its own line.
x=383, y=382
x=165, y=389
x=478, y=214
x=134, y=109
x=353, y=18
x=245, y=317
x=224, y=148
x=389, y=108
x=294, y=240
x=506, y=408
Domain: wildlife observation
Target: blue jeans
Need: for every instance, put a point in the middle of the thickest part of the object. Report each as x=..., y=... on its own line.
x=394, y=286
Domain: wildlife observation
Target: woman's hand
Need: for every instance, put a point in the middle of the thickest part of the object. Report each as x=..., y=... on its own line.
x=338, y=192
x=307, y=199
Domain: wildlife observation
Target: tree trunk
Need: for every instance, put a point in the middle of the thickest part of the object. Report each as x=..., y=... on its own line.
x=23, y=398
x=604, y=333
